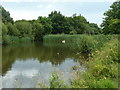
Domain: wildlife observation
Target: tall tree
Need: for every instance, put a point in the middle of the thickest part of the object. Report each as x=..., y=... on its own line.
x=80, y=24
x=46, y=23
x=58, y=21
x=38, y=31
x=111, y=22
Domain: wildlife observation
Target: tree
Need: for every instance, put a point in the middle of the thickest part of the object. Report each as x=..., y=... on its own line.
x=6, y=16
x=12, y=30
x=58, y=22
x=25, y=28
x=94, y=28
x=111, y=22
x=4, y=29
x=46, y=23
x=38, y=31
x=79, y=23
x=5, y=37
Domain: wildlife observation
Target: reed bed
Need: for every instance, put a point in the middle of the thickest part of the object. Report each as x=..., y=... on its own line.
x=84, y=43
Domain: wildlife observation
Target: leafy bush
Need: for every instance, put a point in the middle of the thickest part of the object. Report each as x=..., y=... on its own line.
x=86, y=44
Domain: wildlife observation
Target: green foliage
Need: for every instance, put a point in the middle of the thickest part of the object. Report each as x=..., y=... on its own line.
x=6, y=39
x=14, y=40
x=55, y=82
x=25, y=39
x=79, y=23
x=111, y=22
x=58, y=22
x=74, y=24
x=89, y=81
x=55, y=23
x=38, y=30
x=94, y=28
x=24, y=27
x=6, y=16
x=73, y=32
x=4, y=29
x=46, y=23
x=104, y=83
x=84, y=43
x=12, y=30
x=103, y=65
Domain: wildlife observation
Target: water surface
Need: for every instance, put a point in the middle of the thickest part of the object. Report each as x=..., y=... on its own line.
x=27, y=65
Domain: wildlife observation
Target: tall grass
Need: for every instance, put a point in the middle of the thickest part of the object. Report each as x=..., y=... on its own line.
x=58, y=38
x=15, y=40
x=84, y=43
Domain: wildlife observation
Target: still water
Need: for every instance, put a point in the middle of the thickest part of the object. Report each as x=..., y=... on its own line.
x=27, y=65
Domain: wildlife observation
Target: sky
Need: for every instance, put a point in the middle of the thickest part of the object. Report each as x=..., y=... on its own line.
x=92, y=10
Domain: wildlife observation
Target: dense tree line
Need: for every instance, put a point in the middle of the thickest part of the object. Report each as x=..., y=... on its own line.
x=56, y=23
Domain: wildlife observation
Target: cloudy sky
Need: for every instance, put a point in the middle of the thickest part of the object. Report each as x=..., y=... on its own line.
x=92, y=10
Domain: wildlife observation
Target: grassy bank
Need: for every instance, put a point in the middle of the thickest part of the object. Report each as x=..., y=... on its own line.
x=84, y=43
x=58, y=38
x=102, y=69
x=102, y=64
x=15, y=40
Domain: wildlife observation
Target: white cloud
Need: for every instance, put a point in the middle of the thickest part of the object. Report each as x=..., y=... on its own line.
x=45, y=6
x=40, y=6
x=49, y=6
x=58, y=0
x=97, y=17
x=28, y=15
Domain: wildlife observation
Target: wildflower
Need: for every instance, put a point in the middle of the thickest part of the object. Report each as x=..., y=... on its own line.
x=107, y=56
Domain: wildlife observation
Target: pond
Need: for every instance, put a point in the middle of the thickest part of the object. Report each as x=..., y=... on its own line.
x=27, y=65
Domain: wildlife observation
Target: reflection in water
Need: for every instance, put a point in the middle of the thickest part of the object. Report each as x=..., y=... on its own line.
x=28, y=65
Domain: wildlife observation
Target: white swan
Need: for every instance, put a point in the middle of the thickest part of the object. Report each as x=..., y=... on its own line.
x=63, y=41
